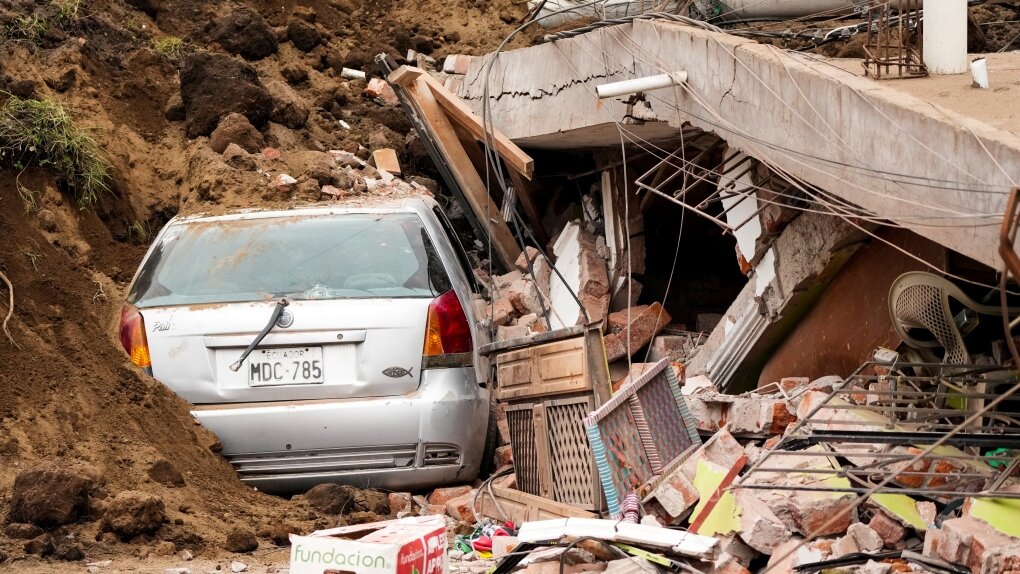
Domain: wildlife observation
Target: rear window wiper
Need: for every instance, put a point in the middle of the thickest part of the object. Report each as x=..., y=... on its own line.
x=277, y=310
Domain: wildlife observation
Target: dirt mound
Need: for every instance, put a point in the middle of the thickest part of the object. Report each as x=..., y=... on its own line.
x=68, y=395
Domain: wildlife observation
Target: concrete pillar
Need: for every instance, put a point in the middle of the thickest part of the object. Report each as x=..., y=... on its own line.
x=945, y=36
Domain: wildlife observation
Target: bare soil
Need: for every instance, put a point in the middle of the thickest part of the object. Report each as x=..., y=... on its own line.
x=67, y=391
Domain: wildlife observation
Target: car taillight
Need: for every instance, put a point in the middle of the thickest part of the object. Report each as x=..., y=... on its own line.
x=447, y=331
x=132, y=336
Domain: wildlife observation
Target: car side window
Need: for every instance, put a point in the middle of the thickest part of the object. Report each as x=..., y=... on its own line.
x=458, y=248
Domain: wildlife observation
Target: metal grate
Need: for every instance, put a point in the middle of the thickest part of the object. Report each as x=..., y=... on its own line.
x=573, y=470
x=521, y=421
x=882, y=417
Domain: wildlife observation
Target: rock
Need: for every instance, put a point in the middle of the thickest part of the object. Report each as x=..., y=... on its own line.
x=48, y=495
x=234, y=128
x=315, y=165
x=294, y=73
x=236, y=566
x=214, y=85
x=271, y=153
x=22, y=531
x=241, y=540
x=150, y=7
x=289, y=108
x=341, y=499
x=400, y=502
x=245, y=32
x=65, y=548
x=131, y=513
x=41, y=545
x=868, y=540
x=165, y=473
x=237, y=158
x=173, y=111
x=504, y=456
x=284, y=183
x=304, y=35
x=280, y=533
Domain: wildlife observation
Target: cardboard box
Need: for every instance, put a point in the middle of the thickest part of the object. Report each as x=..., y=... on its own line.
x=415, y=545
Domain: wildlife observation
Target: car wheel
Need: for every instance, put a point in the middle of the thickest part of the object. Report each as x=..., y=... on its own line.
x=491, y=441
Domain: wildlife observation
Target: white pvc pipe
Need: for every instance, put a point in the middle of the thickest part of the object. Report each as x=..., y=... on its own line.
x=979, y=71
x=636, y=85
x=352, y=74
x=945, y=36
x=736, y=9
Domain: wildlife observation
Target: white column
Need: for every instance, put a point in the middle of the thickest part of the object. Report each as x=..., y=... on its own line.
x=945, y=36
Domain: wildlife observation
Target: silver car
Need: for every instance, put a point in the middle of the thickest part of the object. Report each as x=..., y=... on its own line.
x=321, y=344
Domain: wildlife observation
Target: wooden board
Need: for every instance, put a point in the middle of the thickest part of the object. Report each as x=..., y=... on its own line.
x=461, y=114
x=553, y=368
x=522, y=507
x=475, y=192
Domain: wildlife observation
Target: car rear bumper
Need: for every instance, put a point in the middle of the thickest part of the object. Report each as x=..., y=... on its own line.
x=432, y=436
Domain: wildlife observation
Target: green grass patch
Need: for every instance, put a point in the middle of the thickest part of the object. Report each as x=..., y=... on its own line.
x=67, y=10
x=27, y=27
x=170, y=46
x=42, y=133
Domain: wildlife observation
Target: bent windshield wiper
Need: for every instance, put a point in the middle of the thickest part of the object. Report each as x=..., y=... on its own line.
x=283, y=302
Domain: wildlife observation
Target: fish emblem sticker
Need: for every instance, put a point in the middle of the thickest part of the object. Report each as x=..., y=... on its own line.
x=397, y=372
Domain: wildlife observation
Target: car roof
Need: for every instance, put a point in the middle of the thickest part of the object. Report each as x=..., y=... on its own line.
x=364, y=204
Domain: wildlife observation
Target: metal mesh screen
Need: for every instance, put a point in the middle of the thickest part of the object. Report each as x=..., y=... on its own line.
x=629, y=464
x=671, y=437
x=572, y=468
x=521, y=421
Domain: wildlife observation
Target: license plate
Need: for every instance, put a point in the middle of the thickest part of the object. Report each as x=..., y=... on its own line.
x=285, y=366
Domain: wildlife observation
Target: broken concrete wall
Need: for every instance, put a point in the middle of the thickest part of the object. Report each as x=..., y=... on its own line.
x=790, y=276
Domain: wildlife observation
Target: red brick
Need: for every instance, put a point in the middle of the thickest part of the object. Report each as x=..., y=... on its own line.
x=444, y=495
x=502, y=425
x=731, y=566
x=778, y=418
x=377, y=88
x=646, y=322
x=890, y=530
x=460, y=507
x=400, y=502
x=504, y=456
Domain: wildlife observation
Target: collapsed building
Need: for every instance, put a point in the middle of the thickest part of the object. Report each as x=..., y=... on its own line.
x=759, y=294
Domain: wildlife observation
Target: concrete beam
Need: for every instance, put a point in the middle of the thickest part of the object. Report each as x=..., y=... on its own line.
x=939, y=173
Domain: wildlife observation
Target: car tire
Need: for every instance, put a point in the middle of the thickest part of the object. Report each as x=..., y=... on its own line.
x=491, y=441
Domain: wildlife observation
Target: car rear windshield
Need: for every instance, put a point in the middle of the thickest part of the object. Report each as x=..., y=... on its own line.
x=300, y=257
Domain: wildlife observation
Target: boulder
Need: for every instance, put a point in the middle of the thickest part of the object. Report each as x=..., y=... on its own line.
x=304, y=35
x=289, y=108
x=214, y=85
x=164, y=472
x=241, y=540
x=49, y=495
x=234, y=128
x=245, y=32
x=342, y=499
x=41, y=545
x=132, y=512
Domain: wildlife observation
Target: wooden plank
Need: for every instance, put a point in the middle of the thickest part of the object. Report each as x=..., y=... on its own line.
x=475, y=192
x=522, y=507
x=545, y=477
x=463, y=115
x=404, y=75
